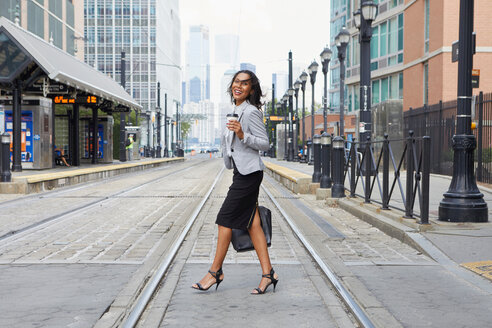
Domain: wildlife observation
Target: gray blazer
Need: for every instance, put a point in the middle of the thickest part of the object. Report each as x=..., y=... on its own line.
x=246, y=152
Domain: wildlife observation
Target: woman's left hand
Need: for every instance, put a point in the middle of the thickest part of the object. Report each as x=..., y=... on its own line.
x=236, y=127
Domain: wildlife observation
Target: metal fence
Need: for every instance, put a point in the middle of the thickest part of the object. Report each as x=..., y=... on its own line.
x=366, y=167
x=439, y=122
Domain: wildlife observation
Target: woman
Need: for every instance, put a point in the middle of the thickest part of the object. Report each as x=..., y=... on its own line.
x=241, y=142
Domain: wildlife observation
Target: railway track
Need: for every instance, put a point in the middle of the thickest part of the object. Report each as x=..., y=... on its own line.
x=142, y=307
x=136, y=303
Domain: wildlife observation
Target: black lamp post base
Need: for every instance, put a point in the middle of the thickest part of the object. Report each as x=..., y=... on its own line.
x=463, y=208
x=337, y=191
x=463, y=202
x=325, y=182
x=316, y=177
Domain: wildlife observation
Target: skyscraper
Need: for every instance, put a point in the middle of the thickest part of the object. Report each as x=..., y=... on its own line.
x=198, y=64
x=148, y=31
x=227, y=50
x=248, y=66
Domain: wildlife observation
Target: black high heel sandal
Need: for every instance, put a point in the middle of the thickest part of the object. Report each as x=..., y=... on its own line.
x=272, y=281
x=216, y=275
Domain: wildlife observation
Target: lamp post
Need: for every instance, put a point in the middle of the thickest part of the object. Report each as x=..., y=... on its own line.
x=312, y=69
x=303, y=77
x=341, y=41
x=290, y=140
x=274, y=130
x=297, y=86
x=463, y=202
x=363, y=20
x=279, y=113
x=285, y=103
x=325, y=61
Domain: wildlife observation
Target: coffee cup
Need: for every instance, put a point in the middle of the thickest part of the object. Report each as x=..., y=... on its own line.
x=232, y=117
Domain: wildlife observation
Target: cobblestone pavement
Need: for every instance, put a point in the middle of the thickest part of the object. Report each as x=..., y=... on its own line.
x=415, y=289
x=302, y=298
x=67, y=272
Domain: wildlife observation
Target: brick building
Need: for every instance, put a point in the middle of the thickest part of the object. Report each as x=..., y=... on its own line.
x=430, y=28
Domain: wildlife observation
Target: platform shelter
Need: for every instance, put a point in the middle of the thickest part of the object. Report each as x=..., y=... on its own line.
x=36, y=76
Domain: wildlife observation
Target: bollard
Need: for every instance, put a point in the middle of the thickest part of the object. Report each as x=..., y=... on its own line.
x=6, y=176
x=338, y=189
x=309, y=144
x=317, y=158
x=325, y=160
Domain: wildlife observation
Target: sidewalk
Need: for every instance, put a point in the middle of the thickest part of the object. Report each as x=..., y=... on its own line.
x=453, y=244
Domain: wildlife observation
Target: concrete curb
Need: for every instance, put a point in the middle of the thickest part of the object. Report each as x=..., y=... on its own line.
x=42, y=182
x=391, y=223
x=295, y=181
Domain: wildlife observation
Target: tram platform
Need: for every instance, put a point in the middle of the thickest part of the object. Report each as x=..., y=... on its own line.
x=31, y=181
x=454, y=245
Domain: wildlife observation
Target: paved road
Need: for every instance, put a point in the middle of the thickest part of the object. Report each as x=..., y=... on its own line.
x=66, y=272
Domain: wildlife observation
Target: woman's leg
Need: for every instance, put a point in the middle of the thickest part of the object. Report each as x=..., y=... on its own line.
x=259, y=242
x=223, y=241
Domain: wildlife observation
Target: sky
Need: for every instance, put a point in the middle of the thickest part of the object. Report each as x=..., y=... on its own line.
x=267, y=29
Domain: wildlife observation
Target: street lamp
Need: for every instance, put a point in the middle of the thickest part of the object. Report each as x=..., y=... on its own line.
x=297, y=86
x=312, y=69
x=303, y=77
x=463, y=202
x=363, y=19
x=325, y=61
x=278, y=106
x=341, y=41
x=285, y=103
x=290, y=157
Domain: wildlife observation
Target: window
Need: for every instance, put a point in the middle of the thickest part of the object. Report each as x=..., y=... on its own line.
x=400, y=32
x=393, y=87
x=35, y=22
x=427, y=17
x=375, y=43
x=426, y=83
x=56, y=32
x=356, y=97
x=384, y=89
x=392, y=36
x=375, y=92
x=400, y=92
x=382, y=39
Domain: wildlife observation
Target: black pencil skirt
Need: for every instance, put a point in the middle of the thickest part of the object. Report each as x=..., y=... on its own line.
x=239, y=207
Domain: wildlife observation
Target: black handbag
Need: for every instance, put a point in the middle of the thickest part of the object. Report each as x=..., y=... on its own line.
x=241, y=241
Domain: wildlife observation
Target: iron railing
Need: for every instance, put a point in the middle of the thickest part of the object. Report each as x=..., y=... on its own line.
x=439, y=122
x=369, y=162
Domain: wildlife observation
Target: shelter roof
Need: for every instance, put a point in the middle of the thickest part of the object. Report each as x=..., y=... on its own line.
x=62, y=67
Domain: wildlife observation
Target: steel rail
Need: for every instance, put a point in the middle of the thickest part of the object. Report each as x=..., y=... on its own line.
x=153, y=283
x=355, y=309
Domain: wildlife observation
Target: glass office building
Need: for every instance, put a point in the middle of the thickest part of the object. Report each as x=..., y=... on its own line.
x=386, y=53
x=52, y=20
x=198, y=64
x=148, y=31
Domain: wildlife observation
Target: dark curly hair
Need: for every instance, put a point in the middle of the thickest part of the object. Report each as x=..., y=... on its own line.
x=255, y=97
